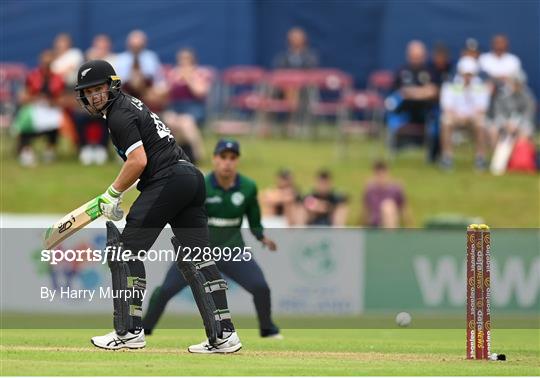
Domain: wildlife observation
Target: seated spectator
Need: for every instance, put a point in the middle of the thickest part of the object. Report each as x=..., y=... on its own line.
x=324, y=206
x=40, y=113
x=93, y=136
x=67, y=59
x=140, y=71
x=298, y=54
x=471, y=48
x=513, y=110
x=101, y=49
x=441, y=67
x=441, y=64
x=414, y=90
x=283, y=199
x=499, y=64
x=464, y=102
x=188, y=85
x=384, y=200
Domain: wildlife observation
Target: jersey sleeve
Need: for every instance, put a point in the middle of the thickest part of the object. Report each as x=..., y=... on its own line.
x=253, y=213
x=124, y=127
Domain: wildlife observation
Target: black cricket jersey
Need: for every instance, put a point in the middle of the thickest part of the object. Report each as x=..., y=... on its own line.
x=131, y=124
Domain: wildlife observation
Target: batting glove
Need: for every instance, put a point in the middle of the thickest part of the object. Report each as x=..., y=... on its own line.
x=109, y=203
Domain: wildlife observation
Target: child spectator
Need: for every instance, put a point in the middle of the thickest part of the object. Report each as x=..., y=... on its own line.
x=283, y=199
x=384, y=200
x=324, y=206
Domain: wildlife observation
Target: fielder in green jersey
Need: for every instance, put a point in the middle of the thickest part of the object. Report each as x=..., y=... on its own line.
x=229, y=197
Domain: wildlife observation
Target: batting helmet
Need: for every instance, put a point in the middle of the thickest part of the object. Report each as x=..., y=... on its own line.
x=96, y=72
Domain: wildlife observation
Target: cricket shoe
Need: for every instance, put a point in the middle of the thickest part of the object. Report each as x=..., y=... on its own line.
x=230, y=343
x=272, y=333
x=113, y=341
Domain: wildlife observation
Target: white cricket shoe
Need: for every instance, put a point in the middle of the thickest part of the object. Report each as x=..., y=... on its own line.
x=113, y=341
x=230, y=343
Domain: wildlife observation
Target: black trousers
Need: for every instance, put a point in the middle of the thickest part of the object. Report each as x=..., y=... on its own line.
x=247, y=274
x=177, y=200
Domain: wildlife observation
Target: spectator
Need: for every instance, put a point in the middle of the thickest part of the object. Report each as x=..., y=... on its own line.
x=464, y=102
x=513, y=110
x=499, y=64
x=283, y=199
x=101, y=49
x=441, y=67
x=67, y=59
x=188, y=85
x=140, y=71
x=298, y=54
x=93, y=136
x=324, y=206
x=471, y=48
x=414, y=90
x=40, y=113
x=384, y=200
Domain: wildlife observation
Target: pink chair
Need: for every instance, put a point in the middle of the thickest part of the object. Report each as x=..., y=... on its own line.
x=282, y=94
x=328, y=91
x=381, y=81
x=241, y=95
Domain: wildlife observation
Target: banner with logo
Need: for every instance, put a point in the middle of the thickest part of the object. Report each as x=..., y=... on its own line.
x=425, y=270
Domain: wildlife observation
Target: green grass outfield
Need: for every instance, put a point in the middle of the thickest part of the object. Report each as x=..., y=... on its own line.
x=303, y=352
x=507, y=201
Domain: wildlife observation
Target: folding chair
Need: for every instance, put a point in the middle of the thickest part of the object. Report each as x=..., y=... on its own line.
x=241, y=88
x=328, y=89
x=283, y=94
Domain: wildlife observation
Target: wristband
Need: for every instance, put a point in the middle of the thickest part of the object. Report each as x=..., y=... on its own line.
x=113, y=192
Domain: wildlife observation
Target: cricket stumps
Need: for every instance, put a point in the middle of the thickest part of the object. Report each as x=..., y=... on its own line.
x=478, y=312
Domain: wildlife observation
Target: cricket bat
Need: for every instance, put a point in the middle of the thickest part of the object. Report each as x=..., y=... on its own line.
x=501, y=155
x=73, y=222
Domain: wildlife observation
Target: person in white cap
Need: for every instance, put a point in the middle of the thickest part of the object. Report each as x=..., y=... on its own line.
x=464, y=103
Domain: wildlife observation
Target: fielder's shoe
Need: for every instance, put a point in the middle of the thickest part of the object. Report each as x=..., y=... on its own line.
x=230, y=343
x=272, y=333
x=274, y=336
x=113, y=341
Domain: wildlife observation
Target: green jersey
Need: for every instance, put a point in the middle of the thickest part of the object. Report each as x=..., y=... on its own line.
x=226, y=210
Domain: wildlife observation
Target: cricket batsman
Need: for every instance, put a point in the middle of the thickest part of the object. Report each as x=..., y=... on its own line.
x=172, y=191
x=230, y=196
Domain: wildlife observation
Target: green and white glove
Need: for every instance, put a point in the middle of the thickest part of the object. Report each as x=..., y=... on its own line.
x=109, y=203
